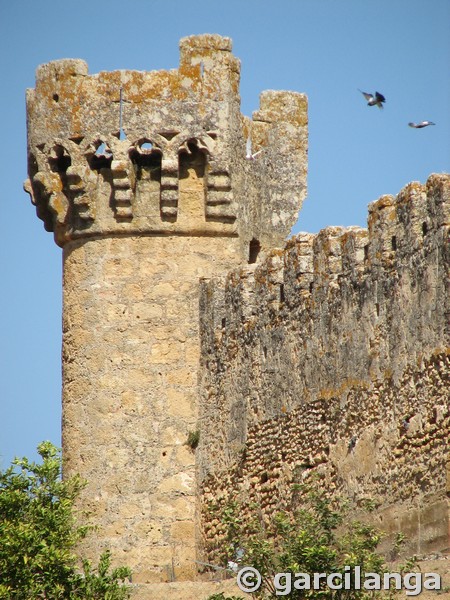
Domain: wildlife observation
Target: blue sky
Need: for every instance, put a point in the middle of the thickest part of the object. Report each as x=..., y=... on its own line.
x=325, y=48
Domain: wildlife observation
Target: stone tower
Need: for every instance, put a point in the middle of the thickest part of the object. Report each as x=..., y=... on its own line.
x=144, y=181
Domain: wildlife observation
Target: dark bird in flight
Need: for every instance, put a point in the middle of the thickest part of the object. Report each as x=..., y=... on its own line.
x=421, y=124
x=374, y=100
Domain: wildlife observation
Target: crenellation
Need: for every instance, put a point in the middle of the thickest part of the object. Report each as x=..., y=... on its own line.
x=278, y=129
x=382, y=232
x=355, y=240
x=299, y=259
x=345, y=317
x=438, y=200
x=190, y=118
x=411, y=214
x=209, y=58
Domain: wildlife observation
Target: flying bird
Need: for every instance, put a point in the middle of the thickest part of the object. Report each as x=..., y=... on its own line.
x=249, y=155
x=374, y=100
x=421, y=124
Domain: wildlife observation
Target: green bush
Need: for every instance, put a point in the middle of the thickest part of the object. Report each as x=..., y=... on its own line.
x=193, y=439
x=319, y=537
x=38, y=535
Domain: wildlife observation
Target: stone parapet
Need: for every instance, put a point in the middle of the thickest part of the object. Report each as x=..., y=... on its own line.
x=353, y=283
x=329, y=357
x=164, y=152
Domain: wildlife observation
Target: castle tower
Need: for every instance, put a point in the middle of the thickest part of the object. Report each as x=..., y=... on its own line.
x=143, y=178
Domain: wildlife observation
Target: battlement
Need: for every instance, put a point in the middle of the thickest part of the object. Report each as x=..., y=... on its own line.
x=120, y=164
x=400, y=229
x=164, y=152
x=363, y=302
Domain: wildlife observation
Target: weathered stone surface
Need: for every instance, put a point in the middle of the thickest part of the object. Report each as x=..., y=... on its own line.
x=128, y=400
x=331, y=357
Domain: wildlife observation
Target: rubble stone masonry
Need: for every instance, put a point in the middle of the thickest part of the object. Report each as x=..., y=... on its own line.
x=330, y=358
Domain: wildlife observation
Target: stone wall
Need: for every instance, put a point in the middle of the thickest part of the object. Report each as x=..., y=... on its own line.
x=330, y=357
x=130, y=355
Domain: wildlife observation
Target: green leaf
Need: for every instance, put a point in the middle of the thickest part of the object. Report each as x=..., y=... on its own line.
x=39, y=535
